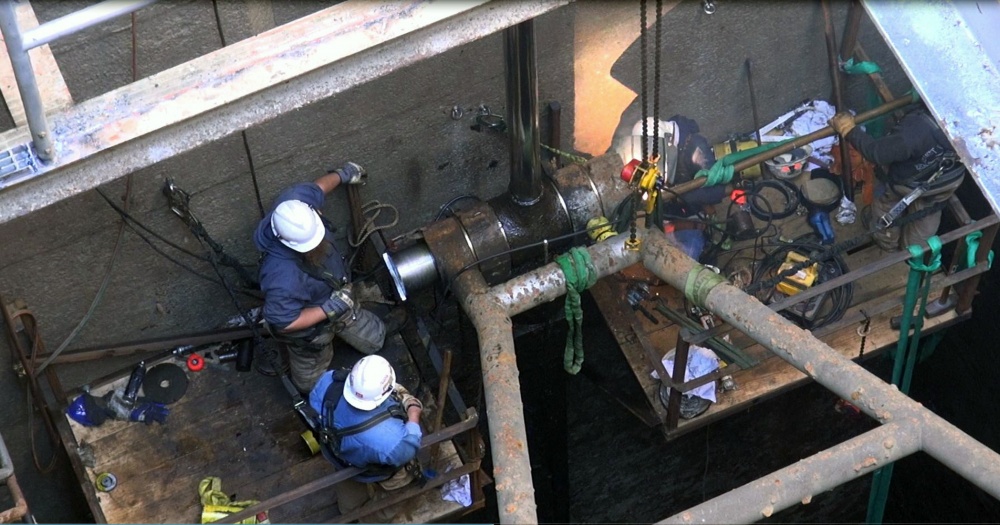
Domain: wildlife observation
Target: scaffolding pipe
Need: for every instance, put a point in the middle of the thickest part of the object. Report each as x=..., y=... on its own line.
x=490, y=311
x=27, y=84
x=79, y=20
x=880, y=400
x=904, y=419
x=799, y=482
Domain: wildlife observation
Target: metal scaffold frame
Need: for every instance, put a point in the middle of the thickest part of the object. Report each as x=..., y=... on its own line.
x=908, y=427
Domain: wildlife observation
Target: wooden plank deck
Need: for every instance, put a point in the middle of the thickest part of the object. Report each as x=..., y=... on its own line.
x=773, y=375
x=238, y=427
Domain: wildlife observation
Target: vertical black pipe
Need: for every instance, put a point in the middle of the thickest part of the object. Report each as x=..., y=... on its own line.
x=522, y=113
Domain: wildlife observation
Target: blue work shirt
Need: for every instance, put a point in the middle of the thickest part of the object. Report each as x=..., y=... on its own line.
x=391, y=442
x=287, y=288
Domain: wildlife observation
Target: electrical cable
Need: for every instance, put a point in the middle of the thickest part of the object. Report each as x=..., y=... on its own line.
x=832, y=305
x=115, y=252
x=243, y=132
x=789, y=192
x=447, y=206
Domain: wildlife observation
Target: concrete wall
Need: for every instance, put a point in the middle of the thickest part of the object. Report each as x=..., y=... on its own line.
x=399, y=127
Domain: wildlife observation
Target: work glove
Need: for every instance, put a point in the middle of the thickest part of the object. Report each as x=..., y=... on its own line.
x=842, y=123
x=338, y=306
x=148, y=412
x=411, y=401
x=351, y=173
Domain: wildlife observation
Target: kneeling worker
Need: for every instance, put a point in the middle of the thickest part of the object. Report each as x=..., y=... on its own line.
x=370, y=422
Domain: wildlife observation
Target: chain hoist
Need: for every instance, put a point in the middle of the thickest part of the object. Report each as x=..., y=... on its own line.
x=644, y=174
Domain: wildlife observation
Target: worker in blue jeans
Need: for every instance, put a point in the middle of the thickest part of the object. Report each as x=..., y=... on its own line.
x=373, y=423
x=307, y=292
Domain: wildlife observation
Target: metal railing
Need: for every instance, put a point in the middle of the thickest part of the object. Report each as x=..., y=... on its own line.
x=18, y=45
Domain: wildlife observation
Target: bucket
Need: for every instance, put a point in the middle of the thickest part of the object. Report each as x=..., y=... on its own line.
x=732, y=145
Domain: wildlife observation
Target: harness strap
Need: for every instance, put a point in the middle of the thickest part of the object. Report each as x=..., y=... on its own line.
x=364, y=425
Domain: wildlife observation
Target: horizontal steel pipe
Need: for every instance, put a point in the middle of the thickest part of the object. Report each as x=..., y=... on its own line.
x=838, y=374
x=80, y=20
x=799, y=482
x=548, y=283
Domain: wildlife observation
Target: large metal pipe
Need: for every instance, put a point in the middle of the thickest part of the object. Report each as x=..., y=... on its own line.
x=27, y=84
x=799, y=482
x=522, y=113
x=80, y=20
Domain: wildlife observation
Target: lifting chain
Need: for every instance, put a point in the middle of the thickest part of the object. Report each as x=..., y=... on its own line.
x=652, y=158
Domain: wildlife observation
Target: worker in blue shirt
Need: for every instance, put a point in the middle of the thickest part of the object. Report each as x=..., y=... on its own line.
x=376, y=423
x=306, y=284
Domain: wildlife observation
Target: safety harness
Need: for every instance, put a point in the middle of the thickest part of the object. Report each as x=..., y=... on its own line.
x=330, y=437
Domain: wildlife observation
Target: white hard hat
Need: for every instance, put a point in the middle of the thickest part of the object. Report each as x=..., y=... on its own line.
x=667, y=129
x=371, y=381
x=297, y=225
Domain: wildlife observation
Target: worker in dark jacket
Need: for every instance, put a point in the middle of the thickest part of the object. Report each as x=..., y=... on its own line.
x=907, y=157
x=306, y=285
x=369, y=399
x=684, y=217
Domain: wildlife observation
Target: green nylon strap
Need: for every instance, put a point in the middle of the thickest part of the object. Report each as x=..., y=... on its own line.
x=722, y=171
x=918, y=287
x=917, y=256
x=972, y=248
x=700, y=281
x=580, y=275
x=860, y=68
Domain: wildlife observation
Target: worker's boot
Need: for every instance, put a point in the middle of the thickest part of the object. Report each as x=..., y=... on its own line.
x=395, y=320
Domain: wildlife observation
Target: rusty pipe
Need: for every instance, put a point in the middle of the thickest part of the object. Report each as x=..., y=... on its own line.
x=800, y=348
x=799, y=482
x=821, y=133
x=20, y=509
x=490, y=310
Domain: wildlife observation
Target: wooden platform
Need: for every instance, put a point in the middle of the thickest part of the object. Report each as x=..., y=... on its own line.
x=239, y=427
x=640, y=339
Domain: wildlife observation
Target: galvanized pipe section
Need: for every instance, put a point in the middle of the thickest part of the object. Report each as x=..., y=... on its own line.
x=799, y=482
x=548, y=283
x=27, y=84
x=522, y=113
x=79, y=20
x=882, y=401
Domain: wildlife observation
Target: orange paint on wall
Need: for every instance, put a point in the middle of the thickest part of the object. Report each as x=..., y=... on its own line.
x=603, y=31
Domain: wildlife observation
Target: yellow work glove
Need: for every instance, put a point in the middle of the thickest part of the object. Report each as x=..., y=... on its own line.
x=842, y=123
